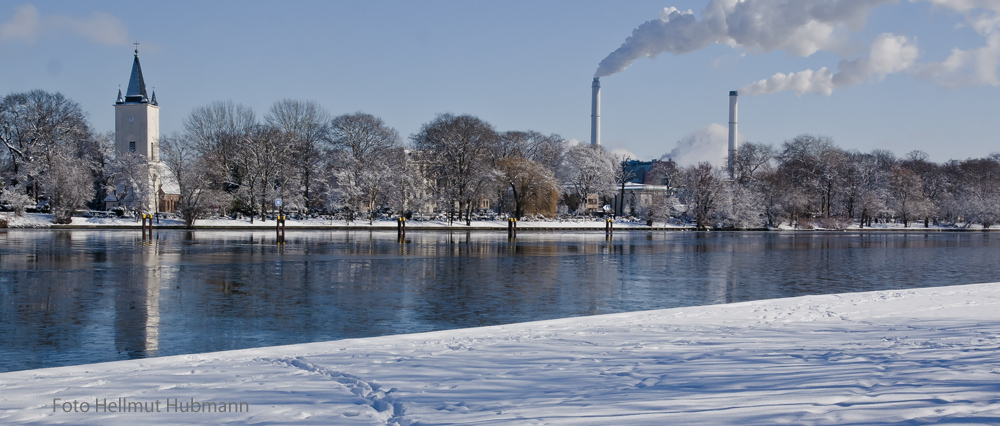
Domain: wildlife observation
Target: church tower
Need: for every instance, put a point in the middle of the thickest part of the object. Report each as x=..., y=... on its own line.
x=137, y=118
x=137, y=130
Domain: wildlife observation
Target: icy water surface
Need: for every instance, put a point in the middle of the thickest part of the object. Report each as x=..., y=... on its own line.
x=74, y=297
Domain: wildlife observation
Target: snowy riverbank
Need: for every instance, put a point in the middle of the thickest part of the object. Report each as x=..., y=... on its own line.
x=37, y=220
x=900, y=357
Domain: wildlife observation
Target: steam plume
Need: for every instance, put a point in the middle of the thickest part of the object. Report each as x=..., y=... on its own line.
x=803, y=27
x=797, y=27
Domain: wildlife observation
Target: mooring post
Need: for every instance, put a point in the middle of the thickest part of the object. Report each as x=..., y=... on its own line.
x=279, y=227
x=401, y=229
x=609, y=227
x=510, y=228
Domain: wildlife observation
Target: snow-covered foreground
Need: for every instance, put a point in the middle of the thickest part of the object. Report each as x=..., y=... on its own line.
x=889, y=357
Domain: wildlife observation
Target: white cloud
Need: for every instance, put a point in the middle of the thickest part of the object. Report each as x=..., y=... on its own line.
x=963, y=68
x=970, y=67
x=23, y=25
x=889, y=54
x=27, y=24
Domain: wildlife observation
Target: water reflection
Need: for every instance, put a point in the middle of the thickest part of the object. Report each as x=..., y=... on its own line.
x=69, y=297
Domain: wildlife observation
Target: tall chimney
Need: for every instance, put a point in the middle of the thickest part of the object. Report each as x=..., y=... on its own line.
x=595, y=113
x=732, y=133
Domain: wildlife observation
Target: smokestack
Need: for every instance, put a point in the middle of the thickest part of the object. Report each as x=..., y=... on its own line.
x=595, y=113
x=732, y=133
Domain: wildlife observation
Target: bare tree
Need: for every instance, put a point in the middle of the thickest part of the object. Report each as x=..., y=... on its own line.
x=624, y=173
x=458, y=148
x=264, y=160
x=305, y=125
x=751, y=159
x=703, y=191
x=217, y=131
x=368, y=157
x=908, y=199
x=933, y=182
x=811, y=163
x=547, y=151
x=195, y=178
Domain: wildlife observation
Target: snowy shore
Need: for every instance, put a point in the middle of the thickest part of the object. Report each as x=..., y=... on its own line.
x=37, y=220
x=901, y=357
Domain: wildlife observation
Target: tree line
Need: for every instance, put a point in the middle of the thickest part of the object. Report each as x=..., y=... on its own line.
x=229, y=161
x=809, y=182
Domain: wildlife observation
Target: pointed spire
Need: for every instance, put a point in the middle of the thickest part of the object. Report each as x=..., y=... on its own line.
x=120, y=100
x=153, y=99
x=136, y=85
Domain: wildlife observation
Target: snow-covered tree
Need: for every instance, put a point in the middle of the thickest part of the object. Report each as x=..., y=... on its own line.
x=589, y=170
x=703, y=193
x=129, y=181
x=978, y=194
x=264, y=161
x=740, y=206
x=752, y=159
x=369, y=159
x=305, y=125
x=811, y=165
x=67, y=183
x=197, y=181
x=218, y=131
x=51, y=150
x=458, y=151
x=907, y=196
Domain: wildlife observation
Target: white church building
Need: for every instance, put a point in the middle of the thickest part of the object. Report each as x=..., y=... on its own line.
x=137, y=130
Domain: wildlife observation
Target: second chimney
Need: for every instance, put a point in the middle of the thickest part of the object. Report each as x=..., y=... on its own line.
x=732, y=133
x=595, y=113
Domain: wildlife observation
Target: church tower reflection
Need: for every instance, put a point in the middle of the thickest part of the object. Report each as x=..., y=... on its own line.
x=137, y=305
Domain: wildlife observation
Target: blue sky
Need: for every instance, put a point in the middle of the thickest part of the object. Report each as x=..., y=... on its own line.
x=527, y=65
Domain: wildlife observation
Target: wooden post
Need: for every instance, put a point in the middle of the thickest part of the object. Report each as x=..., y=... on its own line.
x=147, y=226
x=401, y=229
x=280, y=229
x=609, y=227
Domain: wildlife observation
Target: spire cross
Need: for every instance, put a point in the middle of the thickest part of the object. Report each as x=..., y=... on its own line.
x=136, y=47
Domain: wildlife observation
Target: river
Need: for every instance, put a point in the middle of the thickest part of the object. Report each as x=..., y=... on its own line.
x=73, y=297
